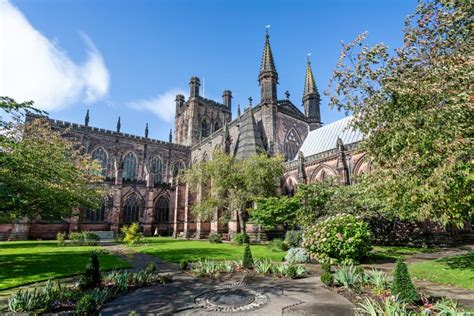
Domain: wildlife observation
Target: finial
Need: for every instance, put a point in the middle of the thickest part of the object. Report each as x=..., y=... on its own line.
x=307, y=56
x=238, y=110
x=171, y=136
x=287, y=93
x=250, y=101
x=146, y=130
x=266, y=30
x=86, y=120
x=118, y=125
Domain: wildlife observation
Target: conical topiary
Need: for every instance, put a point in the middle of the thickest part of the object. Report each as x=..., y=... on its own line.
x=402, y=285
x=248, y=260
x=91, y=277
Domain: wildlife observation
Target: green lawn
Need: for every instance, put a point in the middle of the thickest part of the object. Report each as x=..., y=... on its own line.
x=23, y=262
x=456, y=271
x=173, y=250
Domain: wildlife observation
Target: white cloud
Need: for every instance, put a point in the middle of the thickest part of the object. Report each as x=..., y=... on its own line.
x=32, y=67
x=162, y=105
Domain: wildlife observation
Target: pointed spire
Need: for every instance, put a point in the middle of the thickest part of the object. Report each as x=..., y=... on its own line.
x=309, y=83
x=86, y=120
x=146, y=130
x=267, y=59
x=250, y=102
x=118, y=125
x=171, y=136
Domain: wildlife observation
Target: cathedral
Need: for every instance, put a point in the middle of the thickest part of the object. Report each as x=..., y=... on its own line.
x=141, y=172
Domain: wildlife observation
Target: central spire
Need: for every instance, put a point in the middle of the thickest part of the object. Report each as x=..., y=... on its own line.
x=268, y=77
x=309, y=83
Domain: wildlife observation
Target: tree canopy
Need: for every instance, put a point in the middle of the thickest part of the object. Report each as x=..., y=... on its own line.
x=415, y=108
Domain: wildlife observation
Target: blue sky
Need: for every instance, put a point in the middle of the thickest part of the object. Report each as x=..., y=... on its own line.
x=130, y=58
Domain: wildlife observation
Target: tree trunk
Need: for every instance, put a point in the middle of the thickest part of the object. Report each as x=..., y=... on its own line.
x=241, y=220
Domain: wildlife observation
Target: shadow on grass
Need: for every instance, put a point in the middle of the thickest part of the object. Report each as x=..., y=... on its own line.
x=190, y=254
x=460, y=262
x=26, y=244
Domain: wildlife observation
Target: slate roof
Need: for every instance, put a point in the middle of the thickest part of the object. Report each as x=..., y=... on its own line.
x=249, y=142
x=325, y=138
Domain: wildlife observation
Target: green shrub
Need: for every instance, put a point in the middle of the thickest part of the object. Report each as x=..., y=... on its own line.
x=84, y=239
x=86, y=305
x=60, y=238
x=248, y=260
x=348, y=276
x=277, y=245
x=151, y=267
x=36, y=300
x=263, y=266
x=326, y=267
x=241, y=238
x=342, y=237
x=402, y=285
x=183, y=264
x=327, y=278
x=101, y=296
x=378, y=280
x=388, y=306
x=215, y=238
x=297, y=255
x=131, y=234
x=293, y=238
x=91, y=277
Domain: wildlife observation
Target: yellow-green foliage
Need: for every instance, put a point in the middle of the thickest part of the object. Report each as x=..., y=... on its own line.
x=131, y=233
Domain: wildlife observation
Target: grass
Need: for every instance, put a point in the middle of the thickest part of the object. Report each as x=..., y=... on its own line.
x=23, y=262
x=381, y=254
x=455, y=271
x=173, y=250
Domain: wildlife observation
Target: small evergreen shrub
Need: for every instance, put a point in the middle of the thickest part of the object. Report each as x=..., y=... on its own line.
x=327, y=278
x=297, y=255
x=215, y=238
x=341, y=237
x=277, y=245
x=293, y=238
x=241, y=238
x=402, y=286
x=61, y=238
x=248, y=260
x=131, y=234
x=183, y=264
x=86, y=305
x=151, y=267
x=326, y=266
x=91, y=277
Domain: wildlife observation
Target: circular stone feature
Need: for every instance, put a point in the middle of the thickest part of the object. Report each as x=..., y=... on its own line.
x=234, y=298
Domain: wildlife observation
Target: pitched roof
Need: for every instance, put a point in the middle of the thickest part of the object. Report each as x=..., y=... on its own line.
x=267, y=59
x=249, y=142
x=325, y=138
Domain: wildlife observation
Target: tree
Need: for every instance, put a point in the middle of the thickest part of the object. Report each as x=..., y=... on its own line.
x=415, y=108
x=44, y=174
x=273, y=211
x=228, y=184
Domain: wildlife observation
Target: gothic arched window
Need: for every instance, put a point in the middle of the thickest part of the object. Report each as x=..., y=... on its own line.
x=131, y=209
x=95, y=216
x=100, y=155
x=178, y=168
x=162, y=209
x=129, y=166
x=205, y=128
x=156, y=167
x=292, y=144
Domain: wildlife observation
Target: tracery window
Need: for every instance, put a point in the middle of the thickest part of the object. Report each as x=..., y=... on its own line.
x=162, y=209
x=100, y=155
x=205, y=128
x=156, y=167
x=129, y=166
x=132, y=208
x=292, y=144
x=95, y=216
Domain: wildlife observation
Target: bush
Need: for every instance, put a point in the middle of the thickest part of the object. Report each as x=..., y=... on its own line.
x=84, y=239
x=402, y=285
x=327, y=278
x=91, y=277
x=297, y=255
x=326, y=266
x=248, y=260
x=241, y=238
x=86, y=305
x=343, y=237
x=131, y=234
x=348, y=276
x=36, y=300
x=277, y=245
x=150, y=268
x=293, y=238
x=60, y=238
x=215, y=238
x=183, y=264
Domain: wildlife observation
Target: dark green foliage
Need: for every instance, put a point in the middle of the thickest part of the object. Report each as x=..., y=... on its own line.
x=402, y=285
x=277, y=245
x=248, y=260
x=327, y=278
x=241, y=238
x=293, y=238
x=215, y=238
x=86, y=305
x=84, y=239
x=91, y=277
x=326, y=266
x=274, y=211
x=183, y=264
x=151, y=267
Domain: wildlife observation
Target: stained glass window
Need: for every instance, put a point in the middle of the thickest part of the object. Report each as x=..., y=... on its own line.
x=131, y=209
x=162, y=209
x=100, y=155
